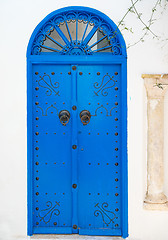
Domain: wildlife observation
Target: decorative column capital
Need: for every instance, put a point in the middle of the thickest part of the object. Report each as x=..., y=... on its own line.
x=155, y=84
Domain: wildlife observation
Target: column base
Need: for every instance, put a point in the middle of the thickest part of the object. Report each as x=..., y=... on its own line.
x=156, y=206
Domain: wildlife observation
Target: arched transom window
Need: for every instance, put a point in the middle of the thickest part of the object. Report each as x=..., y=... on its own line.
x=77, y=33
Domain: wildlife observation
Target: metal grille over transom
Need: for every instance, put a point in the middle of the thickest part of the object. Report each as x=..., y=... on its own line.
x=77, y=158
x=77, y=33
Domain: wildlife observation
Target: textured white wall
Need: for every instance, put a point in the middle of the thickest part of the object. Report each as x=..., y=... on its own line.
x=18, y=19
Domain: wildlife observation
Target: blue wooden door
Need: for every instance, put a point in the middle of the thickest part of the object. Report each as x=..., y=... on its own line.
x=99, y=192
x=77, y=125
x=77, y=164
x=52, y=170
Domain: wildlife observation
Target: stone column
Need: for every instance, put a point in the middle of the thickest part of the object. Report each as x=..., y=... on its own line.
x=156, y=86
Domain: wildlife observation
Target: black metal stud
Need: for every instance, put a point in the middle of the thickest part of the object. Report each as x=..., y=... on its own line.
x=74, y=107
x=74, y=185
x=74, y=146
x=75, y=226
x=74, y=68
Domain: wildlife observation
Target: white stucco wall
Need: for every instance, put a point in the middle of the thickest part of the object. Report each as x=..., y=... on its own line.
x=18, y=19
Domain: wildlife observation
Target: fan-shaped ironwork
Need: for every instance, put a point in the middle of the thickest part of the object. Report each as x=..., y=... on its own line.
x=76, y=33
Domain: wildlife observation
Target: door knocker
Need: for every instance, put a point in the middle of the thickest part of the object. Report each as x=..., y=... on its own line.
x=64, y=117
x=85, y=117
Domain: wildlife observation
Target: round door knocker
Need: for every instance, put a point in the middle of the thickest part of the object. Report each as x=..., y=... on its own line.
x=64, y=117
x=85, y=117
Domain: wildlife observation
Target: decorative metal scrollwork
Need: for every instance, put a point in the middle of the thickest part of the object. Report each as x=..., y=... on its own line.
x=104, y=85
x=85, y=115
x=107, y=215
x=107, y=40
x=108, y=113
x=50, y=87
x=64, y=117
x=44, y=113
x=45, y=215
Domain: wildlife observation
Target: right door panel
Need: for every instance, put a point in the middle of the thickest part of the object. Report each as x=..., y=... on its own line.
x=99, y=176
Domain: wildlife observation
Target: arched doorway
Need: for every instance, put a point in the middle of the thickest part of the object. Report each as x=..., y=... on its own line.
x=77, y=125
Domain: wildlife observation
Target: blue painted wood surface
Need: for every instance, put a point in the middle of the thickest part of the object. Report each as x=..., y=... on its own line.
x=98, y=166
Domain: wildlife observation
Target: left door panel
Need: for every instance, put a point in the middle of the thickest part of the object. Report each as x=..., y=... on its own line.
x=51, y=148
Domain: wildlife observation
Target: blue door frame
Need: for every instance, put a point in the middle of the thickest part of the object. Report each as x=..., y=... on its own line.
x=103, y=60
